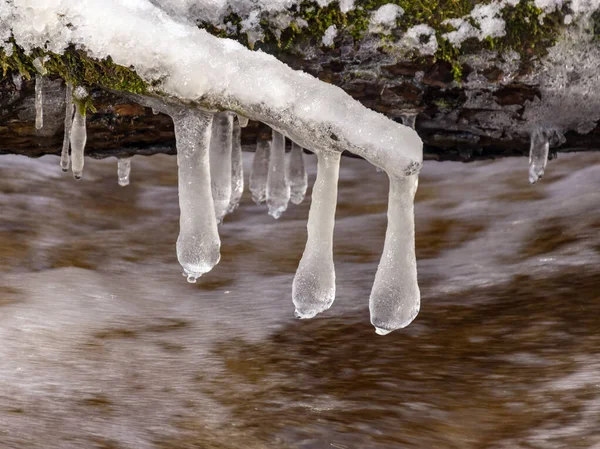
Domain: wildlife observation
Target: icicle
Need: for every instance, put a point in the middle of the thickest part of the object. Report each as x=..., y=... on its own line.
x=198, y=244
x=395, y=298
x=123, y=170
x=278, y=189
x=538, y=155
x=243, y=121
x=313, y=290
x=17, y=81
x=297, y=174
x=237, y=168
x=64, y=155
x=220, y=162
x=409, y=120
x=39, y=101
x=260, y=169
x=78, y=139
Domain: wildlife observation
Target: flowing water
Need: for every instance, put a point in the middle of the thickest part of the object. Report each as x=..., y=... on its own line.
x=103, y=344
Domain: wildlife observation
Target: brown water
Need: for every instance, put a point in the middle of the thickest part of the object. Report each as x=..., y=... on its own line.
x=104, y=345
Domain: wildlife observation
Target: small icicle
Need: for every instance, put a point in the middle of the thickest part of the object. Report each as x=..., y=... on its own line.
x=220, y=162
x=278, y=189
x=123, y=170
x=395, y=298
x=409, y=120
x=198, y=244
x=313, y=290
x=297, y=174
x=260, y=169
x=538, y=154
x=78, y=139
x=17, y=81
x=64, y=155
x=38, y=63
x=237, y=168
x=243, y=121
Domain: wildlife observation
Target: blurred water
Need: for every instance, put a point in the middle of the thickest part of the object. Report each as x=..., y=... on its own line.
x=104, y=345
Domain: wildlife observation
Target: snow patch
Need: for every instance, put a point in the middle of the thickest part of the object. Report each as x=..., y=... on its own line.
x=384, y=19
x=329, y=36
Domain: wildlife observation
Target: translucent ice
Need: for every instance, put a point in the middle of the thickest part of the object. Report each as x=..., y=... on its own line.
x=237, y=168
x=313, y=290
x=409, y=120
x=198, y=244
x=39, y=101
x=64, y=155
x=78, y=139
x=297, y=174
x=278, y=189
x=123, y=170
x=220, y=162
x=395, y=298
x=538, y=154
x=243, y=121
x=260, y=169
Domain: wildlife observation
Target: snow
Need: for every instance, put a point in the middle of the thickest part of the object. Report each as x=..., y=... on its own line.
x=422, y=38
x=237, y=168
x=538, y=154
x=329, y=36
x=487, y=17
x=220, y=162
x=260, y=169
x=384, y=18
x=313, y=289
x=64, y=155
x=297, y=174
x=123, y=170
x=78, y=140
x=278, y=189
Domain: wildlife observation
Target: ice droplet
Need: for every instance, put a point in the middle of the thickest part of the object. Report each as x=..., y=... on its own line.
x=78, y=140
x=278, y=189
x=198, y=243
x=395, y=298
x=64, y=154
x=237, y=168
x=260, y=169
x=123, y=170
x=297, y=174
x=313, y=289
x=538, y=154
x=220, y=162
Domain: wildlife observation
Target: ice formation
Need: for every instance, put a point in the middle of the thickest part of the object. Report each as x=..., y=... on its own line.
x=409, y=120
x=237, y=168
x=395, y=298
x=78, y=139
x=243, y=121
x=39, y=93
x=313, y=289
x=64, y=154
x=278, y=189
x=220, y=162
x=198, y=244
x=297, y=174
x=123, y=170
x=260, y=170
x=538, y=154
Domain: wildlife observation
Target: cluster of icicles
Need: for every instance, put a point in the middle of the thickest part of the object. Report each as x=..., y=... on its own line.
x=211, y=183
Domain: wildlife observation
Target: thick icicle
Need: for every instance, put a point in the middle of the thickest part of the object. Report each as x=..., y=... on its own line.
x=123, y=170
x=395, y=298
x=64, y=155
x=78, y=139
x=198, y=244
x=313, y=290
x=260, y=169
x=297, y=174
x=409, y=120
x=39, y=101
x=243, y=121
x=220, y=162
x=237, y=168
x=278, y=189
x=538, y=154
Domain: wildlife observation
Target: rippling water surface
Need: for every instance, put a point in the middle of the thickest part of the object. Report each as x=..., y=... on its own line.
x=104, y=345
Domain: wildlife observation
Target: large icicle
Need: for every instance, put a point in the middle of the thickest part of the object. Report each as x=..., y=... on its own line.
x=260, y=169
x=297, y=174
x=237, y=168
x=39, y=92
x=123, y=170
x=395, y=298
x=220, y=162
x=278, y=189
x=313, y=290
x=78, y=139
x=538, y=154
x=198, y=244
x=64, y=155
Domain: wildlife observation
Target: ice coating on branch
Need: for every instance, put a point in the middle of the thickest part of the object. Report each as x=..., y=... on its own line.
x=260, y=169
x=278, y=189
x=220, y=162
x=395, y=298
x=313, y=290
x=538, y=154
x=198, y=244
x=78, y=139
x=64, y=154
x=297, y=174
x=123, y=170
x=237, y=168
x=243, y=121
